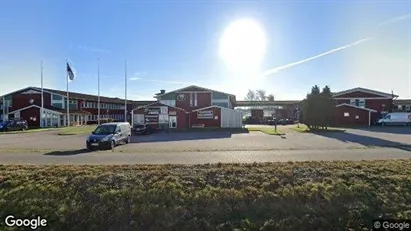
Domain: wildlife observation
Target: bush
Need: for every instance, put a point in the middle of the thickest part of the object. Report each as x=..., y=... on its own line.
x=280, y=196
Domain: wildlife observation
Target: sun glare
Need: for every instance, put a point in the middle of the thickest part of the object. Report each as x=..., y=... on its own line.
x=243, y=46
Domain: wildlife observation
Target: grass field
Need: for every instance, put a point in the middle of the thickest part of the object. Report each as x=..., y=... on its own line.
x=76, y=130
x=278, y=196
x=304, y=128
x=266, y=130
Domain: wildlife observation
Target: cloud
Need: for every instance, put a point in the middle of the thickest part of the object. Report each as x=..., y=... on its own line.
x=280, y=68
x=93, y=49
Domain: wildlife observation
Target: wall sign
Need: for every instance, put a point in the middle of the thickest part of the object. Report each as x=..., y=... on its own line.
x=181, y=97
x=198, y=126
x=153, y=111
x=151, y=118
x=205, y=115
x=172, y=113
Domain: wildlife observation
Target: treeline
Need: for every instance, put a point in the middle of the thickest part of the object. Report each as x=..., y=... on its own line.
x=317, y=108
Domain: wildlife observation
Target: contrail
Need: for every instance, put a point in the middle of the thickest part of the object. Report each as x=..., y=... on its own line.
x=280, y=68
x=161, y=81
x=277, y=69
x=393, y=20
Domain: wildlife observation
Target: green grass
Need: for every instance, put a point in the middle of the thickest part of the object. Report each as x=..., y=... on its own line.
x=267, y=130
x=76, y=130
x=33, y=130
x=304, y=128
x=279, y=196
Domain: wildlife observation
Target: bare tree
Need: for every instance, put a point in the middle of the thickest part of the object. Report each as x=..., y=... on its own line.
x=258, y=95
x=251, y=96
x=261, y=95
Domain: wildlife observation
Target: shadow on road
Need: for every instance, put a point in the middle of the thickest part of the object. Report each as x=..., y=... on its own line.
x=183, y=136
x=401, y=130
x=67, y=152
x=365, y=140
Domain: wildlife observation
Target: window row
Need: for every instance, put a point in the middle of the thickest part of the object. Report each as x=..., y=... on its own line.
x=102, y=105
x=105, y=116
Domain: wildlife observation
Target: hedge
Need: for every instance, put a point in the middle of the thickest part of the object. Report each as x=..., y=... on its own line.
x=280, y=196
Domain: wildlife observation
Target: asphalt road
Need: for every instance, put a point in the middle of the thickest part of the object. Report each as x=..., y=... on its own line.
x=110, y=158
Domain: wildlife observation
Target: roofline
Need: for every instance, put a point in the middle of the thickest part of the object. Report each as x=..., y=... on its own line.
x=181, y=89
x=349, y=105
x=164, y=105
x=336, y=94
x=212, y=106
x=34, y=105
x=26, y=88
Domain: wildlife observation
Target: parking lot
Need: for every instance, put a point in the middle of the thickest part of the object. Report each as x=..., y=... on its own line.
x=399, y=137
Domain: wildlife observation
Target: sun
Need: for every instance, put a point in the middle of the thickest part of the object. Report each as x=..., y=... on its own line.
x=243, y=45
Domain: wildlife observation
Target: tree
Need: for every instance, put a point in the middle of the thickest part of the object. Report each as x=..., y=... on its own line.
x=261, y=95
x=270, y=98
x=318, y=108
x=251, y=96
x=258, y=95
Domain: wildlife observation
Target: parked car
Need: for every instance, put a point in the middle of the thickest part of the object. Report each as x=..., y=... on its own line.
x=396, y=118
x=141, y=129
x=109, y=135
x=13, y=125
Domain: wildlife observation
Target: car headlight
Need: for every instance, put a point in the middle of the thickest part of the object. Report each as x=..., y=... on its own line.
x=105, y=138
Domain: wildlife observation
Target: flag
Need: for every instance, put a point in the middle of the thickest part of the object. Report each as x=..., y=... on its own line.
x=70, y=72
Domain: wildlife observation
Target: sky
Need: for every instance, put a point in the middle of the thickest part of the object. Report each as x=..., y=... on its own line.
x=282, y=47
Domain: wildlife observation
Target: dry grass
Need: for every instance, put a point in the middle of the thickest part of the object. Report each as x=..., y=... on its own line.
x=278, y=196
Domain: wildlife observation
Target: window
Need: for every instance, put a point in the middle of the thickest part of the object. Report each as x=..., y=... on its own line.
x=358, y=102
x=195, y=99
x=357, y=117
x=346, y=114
x=399, y=107
x=407, y=107
x=57, y=97
x=191, y=99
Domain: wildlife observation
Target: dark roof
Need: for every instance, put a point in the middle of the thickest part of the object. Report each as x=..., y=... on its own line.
x=82, y=96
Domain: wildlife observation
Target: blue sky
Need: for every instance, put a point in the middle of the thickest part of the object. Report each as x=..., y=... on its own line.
x=170, y=44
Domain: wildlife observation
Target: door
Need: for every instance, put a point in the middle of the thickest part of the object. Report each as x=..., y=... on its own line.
x=118, y=135
x=172, y=121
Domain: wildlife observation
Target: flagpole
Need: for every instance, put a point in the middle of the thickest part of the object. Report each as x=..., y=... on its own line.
x=42, y=96
x=68, y=102
x=125, y=91
x=3, y=93
x=98, y=84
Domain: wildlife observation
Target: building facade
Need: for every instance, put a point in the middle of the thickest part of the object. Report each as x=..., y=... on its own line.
x=26, y=104
x=361, y=106
x=189, y=107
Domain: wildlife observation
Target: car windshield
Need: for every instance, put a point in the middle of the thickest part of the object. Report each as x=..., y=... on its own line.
x=105, y=129
x=139, y=126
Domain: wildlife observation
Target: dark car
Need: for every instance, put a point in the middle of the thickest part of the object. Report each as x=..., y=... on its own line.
x=141, y=129
x=109, y=135
x=13, y=125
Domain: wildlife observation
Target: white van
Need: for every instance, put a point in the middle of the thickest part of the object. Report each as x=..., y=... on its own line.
x=396, y=118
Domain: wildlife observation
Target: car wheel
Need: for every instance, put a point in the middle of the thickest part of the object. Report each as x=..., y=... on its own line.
x=128, y=139
x=113, y=144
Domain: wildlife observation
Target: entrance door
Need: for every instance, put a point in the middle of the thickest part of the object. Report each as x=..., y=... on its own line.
x=172, y=121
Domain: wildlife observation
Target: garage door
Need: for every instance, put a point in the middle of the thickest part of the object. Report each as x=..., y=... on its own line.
x=138, y=119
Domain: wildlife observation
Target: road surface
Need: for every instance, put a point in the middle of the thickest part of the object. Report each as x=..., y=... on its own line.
x=109, y=158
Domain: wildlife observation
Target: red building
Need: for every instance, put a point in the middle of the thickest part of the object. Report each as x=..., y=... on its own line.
x=191, y=106
x=360, y=106
x=26, y=104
